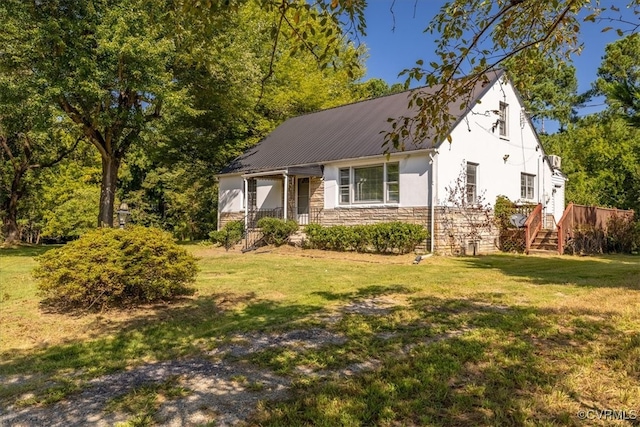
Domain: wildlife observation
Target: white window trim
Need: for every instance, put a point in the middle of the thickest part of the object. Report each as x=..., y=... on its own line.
x=475, y=184
x=503, y=122
x=385, y=187
x=525, y=187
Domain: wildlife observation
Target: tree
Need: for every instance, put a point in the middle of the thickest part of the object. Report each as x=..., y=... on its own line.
x=476, y=36
x=599, y=171
x=548, y=87
x=619, y=77
x=30, y=139
x=168, y=178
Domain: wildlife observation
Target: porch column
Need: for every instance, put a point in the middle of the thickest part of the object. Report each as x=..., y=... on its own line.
x=286, y=195
x=246, y=202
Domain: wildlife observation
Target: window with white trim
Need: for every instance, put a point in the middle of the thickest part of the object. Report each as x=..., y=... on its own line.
x=527, y=186
x=250, y=193
x=502, y=120
x=472, y=182
x=369, y=184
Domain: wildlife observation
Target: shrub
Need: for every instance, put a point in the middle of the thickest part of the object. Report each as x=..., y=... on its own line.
x=276, y=231
x=383, y=237
x=110, y=267
x=622, y=234
x=230, y=235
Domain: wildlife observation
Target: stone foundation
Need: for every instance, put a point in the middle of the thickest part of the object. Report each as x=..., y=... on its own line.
x=460, y=232
x=361, y=216
x=226, y=217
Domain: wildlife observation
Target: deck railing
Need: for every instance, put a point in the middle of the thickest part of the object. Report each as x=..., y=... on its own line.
x=532, y=226
x=577, y=215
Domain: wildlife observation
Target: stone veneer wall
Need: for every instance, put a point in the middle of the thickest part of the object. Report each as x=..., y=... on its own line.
x=358, y=216
x=226, y=217
x=316, y=188
x=448, y=237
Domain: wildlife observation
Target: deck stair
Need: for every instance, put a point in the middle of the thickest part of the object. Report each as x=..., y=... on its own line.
x=546, y=242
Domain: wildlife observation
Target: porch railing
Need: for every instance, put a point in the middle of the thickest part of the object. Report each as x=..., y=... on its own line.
x=577, y=215
x=313, y=216
x=532, y=226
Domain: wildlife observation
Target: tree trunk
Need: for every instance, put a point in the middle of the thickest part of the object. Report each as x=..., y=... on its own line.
x=11, y=221
x=110, y=166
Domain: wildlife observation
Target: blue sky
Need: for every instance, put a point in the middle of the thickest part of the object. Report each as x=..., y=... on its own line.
x=391, y=51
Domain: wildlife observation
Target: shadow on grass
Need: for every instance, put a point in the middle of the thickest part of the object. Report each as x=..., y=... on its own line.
x=29, y=251
x=165, y=333
x=509, y=366
x=453, y=362
x=366, y=292
x=611, y=271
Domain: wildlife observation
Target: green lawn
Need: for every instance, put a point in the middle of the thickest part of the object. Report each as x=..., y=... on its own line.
x=490, y=340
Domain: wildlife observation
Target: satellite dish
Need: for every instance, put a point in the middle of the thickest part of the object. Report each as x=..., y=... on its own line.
x=518, y=220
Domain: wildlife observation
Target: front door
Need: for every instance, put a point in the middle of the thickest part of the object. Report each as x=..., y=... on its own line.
x=302, y=202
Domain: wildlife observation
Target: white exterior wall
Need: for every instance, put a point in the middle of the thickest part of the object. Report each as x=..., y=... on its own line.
x=500, y=160
x=414, y=180
x=269, y=193
x=230, y=189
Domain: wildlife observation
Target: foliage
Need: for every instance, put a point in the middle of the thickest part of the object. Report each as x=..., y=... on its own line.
x=502, y=212
x=464, y=221
x=276, y=231
x=109, y=268
x=230, y=235
x=390, y=237
x=623, y=234
x=599, y=172
x=619, y=78
x=474, y=36
x=548, y=86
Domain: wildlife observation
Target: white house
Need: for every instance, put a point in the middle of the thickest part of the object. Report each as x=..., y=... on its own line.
x=330, y=166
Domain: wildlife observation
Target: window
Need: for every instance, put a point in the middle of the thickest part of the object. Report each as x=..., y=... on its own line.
x=344, y=186
x=502, y=120
x=252, y=199
x=369, y=184
x=527, y=186
x=393, y=182
x=472, y=182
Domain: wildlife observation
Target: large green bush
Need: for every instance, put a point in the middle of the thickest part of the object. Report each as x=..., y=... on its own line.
x=110, y=267
x=276, y=231
x=230, y=235
x=388, y=237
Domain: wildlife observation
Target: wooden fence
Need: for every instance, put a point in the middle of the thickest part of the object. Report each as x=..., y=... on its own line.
x=577, y=216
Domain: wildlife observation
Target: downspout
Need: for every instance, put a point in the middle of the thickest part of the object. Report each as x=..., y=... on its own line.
x=433, y=163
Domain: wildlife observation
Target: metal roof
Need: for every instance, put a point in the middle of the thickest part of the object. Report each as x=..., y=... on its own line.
x=347, y=132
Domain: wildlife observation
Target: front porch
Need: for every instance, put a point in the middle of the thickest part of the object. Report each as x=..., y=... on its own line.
x=294, y=193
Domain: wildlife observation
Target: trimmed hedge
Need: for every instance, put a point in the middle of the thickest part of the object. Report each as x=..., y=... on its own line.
x=229, y=236
x=387, y=237
x=110, y=267
x=276, y=231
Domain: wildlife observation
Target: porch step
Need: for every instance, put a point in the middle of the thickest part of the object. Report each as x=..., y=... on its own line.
x=545, y=242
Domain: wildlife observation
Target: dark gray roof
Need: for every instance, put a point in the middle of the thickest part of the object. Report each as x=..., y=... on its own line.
x=346, y=132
